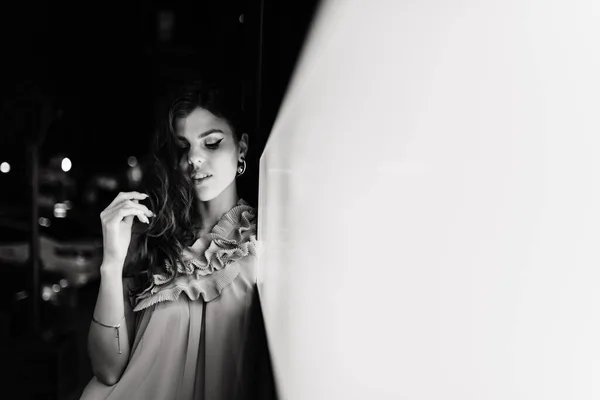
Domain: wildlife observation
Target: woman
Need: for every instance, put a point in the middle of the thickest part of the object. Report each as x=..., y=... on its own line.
x=180, y=322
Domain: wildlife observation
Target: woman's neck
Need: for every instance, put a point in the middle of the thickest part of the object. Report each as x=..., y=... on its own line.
x=211, y=211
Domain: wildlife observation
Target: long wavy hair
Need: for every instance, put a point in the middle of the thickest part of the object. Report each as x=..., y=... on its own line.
x=170, y=190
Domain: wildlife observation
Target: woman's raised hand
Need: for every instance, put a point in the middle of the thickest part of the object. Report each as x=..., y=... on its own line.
x=117, y=220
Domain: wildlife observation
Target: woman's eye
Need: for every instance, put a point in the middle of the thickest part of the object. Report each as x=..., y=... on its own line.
x=213, y=145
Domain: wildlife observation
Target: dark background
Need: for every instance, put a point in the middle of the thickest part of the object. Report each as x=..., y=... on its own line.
x=88, y=78
x=105, y=67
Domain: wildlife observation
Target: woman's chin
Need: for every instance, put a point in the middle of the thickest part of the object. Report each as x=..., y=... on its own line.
x=205, y=195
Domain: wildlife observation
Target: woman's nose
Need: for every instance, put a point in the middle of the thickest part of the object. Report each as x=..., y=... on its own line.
x=195, y=158
x=194, y=161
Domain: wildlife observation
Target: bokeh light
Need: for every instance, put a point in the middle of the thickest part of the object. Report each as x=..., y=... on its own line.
x=66, y=164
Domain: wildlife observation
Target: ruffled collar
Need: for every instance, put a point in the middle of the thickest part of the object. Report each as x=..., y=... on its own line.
x=210, y=263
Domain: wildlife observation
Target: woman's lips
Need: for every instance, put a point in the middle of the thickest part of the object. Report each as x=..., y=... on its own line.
x=199, y=180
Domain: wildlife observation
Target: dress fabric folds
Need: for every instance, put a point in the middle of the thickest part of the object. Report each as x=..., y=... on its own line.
x=200, y=336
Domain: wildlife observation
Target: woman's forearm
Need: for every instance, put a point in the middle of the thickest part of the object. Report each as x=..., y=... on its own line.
x=108, y=353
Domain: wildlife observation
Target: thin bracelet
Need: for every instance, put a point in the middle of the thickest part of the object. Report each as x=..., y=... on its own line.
x=116, y=327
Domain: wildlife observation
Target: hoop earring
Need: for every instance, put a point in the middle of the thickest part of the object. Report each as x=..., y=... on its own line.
x=241, y=169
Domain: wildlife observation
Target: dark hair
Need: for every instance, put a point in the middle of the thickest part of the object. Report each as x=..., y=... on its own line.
x=171, y=195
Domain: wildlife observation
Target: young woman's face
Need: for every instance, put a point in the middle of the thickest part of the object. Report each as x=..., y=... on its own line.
x=210, y=147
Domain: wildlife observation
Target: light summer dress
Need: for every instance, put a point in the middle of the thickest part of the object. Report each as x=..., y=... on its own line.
x=198, y=337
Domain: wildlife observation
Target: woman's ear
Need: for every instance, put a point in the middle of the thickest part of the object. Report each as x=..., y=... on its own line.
x=243, y=146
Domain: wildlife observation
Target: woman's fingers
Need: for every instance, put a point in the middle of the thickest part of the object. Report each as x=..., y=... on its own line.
x=123, y=212
x=135, y=204
x=118, y=214
x=127, y=196
x=126, y=203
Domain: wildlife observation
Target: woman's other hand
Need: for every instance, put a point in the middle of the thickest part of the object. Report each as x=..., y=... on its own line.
x=117, y=220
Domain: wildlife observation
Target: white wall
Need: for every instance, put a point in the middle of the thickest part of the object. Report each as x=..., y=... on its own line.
x=430, y=204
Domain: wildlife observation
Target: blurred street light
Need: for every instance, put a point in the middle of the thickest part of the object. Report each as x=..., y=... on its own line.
x=134, y=176
x=44, y=222
x=4, y=167
x=60, y=210
x=66, y=164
